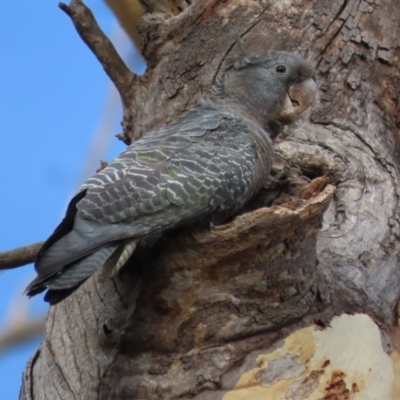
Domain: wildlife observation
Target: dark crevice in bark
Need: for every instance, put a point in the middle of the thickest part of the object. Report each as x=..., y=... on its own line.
x=338, y=31
x=229, y=49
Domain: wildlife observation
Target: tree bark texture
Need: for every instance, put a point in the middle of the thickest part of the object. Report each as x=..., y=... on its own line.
x=234, y=311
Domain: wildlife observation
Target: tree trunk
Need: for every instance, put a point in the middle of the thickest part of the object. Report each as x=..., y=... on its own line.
x=255, y=308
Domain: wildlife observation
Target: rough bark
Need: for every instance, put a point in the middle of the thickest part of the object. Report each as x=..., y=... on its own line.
x=189, y=317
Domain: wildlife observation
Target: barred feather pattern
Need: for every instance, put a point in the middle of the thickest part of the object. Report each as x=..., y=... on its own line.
x=82, y=269
x=209, y=160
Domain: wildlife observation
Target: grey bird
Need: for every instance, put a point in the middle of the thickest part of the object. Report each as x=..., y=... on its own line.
x=210, y=161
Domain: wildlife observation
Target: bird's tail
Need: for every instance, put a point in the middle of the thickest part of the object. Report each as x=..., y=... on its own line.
x=60, y=285
x=71, y=276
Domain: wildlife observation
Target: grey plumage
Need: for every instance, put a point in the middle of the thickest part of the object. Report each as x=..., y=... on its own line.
x=213, y=159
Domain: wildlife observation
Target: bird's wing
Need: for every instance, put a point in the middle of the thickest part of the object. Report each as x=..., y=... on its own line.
x=204, y=162
x=195, y=166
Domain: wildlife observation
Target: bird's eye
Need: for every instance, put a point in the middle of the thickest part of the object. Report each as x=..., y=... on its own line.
x=281, y=69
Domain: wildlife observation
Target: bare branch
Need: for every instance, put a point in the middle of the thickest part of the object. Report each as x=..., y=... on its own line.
x=21, y=256
x=101, y=46
x=21, y=332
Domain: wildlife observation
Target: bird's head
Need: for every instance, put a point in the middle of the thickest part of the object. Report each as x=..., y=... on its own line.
x=273, y=89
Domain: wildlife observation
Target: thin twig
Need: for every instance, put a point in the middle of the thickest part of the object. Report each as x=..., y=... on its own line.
x=18, y=257
x=101, y=46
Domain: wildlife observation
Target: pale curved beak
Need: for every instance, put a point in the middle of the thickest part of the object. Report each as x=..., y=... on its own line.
x=299, y=97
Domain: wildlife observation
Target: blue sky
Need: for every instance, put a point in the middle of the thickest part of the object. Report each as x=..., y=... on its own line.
x=53, y=94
